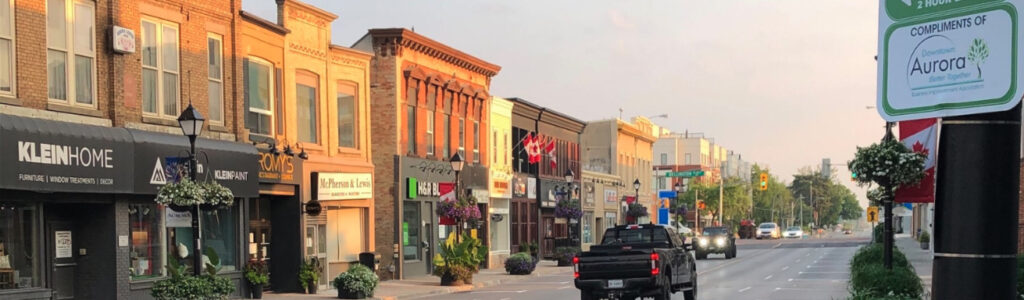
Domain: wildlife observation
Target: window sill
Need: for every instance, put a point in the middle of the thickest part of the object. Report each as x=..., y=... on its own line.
x=347, y=150
x=311, y=146
x=159, y=121
x=218, y=128
x=10, y=100
x=64, y=108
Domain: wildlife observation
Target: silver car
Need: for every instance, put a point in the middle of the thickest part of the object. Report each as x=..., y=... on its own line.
x=768, y=231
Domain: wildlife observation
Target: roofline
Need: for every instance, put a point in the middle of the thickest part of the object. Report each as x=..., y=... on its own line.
x=420, y=43
x=258, y=21
x=548, y=110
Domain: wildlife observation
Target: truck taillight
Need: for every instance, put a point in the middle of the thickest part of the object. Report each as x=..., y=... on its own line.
x=576, y=267
x=654, y=264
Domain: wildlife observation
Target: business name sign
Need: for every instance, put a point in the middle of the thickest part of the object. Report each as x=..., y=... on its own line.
x=279, y=168
x=342, y=186
x=124, y=40
x=948, y=58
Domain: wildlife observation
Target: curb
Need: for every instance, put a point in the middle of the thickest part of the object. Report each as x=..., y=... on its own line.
x=475, y=285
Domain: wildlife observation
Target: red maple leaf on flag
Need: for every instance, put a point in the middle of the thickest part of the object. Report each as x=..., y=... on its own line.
x=919, y=148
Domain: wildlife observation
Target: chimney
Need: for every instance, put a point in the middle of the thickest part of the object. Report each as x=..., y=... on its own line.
x=280, y=12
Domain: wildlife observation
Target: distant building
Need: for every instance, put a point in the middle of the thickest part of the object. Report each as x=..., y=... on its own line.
x=625, y=150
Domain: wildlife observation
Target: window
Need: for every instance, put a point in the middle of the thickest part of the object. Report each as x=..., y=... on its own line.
x=447, y=135
x=664, y=159
x=688, y=159
x=71, y=52
x=219, y=233
x=146, y=227
x=506, y=155
x=347, y=108
x=346, y=239
x=411, y=230
x=259, y=83
x=215, y=77
x=476, y=142
x=411, y=92
x=306, y=106
x=160, y=92
x=462, y=137
x=430, y=133
x=18, y=238
x=7, y=48
x=588, y=227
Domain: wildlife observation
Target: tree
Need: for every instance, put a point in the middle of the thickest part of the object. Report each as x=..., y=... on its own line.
x=851, y=209
x=777, y=198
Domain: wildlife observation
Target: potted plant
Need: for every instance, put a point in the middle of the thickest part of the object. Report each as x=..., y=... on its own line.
x=534, y=248
x=568, y=208
x=925, y=238
x=256, y=274
x=309, y=275
x=459, y=260
x=180, y=196
x=356, y=283
x=564, y=255
x=520, y=264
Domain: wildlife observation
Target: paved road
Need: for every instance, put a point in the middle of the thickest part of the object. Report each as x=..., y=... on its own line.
x=780, y=269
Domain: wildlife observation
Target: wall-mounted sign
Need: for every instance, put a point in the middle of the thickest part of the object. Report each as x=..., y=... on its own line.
x=177, y=218
x=531, y=188
x=124, y=40
x=611, y=196
x=279, y=168
x=159, y=159
x=342, y=186
x=313, y=208
x=62, y=243
x=416, y=188
x=519, y=187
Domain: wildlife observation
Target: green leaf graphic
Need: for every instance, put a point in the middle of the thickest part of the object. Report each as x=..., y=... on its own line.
x=978, y=53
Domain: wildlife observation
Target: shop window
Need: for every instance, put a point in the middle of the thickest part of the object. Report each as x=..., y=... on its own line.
x=18, y=247
x=306, y=102
x=411, y=230
x=347, y=107
x=215, y=77
x=160, y=71
x=588, y=227
x=71, y=52
x=347, y=234
x=146, y=252
x=259, y=85
x=7, y=48
x=219, y=228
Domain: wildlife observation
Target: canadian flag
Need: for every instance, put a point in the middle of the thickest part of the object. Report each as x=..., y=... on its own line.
x=531, y=144
x=920, y=136
x=551, y=153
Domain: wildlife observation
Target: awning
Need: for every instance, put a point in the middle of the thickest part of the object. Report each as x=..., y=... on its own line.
x=52, y=156
x=161, y=158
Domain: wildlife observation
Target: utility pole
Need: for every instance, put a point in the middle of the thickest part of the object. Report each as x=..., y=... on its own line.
x=801, y=211
x=696, y=211
x=721, y=189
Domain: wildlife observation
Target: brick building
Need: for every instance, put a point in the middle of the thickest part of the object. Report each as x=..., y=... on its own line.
x=307, y=108
x=89, y=96
x=429, y=101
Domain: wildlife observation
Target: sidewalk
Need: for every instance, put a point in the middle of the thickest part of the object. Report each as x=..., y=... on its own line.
x=422, y=286
x=920, y=259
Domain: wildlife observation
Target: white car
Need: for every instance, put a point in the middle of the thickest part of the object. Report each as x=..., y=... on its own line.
x=793, y=232
x=768, y=231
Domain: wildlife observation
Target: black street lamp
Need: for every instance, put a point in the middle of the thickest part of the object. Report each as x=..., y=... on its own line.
x=636, y=198
x=457, y=164
x=191, y=123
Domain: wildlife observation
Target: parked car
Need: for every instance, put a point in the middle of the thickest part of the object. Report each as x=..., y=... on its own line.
x=768, y=231
x=716, y=240
x=637, y=261
x=793, y=232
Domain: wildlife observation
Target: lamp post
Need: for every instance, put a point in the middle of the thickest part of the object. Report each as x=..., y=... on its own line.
x=191, y=123
x=457, y=164
x=679, y=190
x=636, y=199
x=574, y=232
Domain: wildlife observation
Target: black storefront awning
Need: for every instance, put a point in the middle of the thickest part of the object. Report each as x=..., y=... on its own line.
x=52, y=156
x=158, y=155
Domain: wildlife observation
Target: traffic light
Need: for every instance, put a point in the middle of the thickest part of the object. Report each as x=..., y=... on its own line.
x=764, y=181
x=853, y=176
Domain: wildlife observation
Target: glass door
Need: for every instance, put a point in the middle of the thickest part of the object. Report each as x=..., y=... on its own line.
x=316, y=247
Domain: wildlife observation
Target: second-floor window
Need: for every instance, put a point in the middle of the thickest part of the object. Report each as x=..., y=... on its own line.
x=430, y=133
x=215, y=77
x=7, y=48
x=160, y=73
x=259, y=82
x=347, y=107
x=462, y=137
x=71, y=52
x=306, y=106
x=664, y=159
x=688, y=159
x=476, y=142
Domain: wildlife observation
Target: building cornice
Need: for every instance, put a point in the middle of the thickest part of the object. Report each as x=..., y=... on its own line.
x=631, y=130
x=261, y=22
x=392, y=41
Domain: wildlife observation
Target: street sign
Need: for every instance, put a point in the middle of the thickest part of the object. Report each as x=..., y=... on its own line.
x=666, y=194
x=663, y=216
x=697, y=173
x=948, y=58
x=872, y=214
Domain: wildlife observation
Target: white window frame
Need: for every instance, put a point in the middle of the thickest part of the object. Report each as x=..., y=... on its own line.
x=11, y=39
x=270, y=94
x=70, y=54
x=160, y=70
x=214, y=119
x=430, y=132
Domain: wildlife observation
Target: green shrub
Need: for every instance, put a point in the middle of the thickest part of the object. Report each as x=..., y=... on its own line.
x=358, y=279
x=256, y=272
x=460, y=260
x=565, y=254
x=925, y=237
x=874, y=254
x=520, y=264
x=879, y=234
x=873, y=281
x=192, y=288
x=309, y=273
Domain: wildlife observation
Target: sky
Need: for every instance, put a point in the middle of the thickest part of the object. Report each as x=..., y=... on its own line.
x=784, y=83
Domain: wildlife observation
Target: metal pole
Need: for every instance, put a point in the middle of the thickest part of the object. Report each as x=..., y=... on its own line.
x=976, y=210
x=721, y=191
x=193, y=173
x=696, y=211
x=637, y=201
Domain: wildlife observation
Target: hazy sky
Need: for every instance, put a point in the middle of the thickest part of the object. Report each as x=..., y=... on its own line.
x=785, y=83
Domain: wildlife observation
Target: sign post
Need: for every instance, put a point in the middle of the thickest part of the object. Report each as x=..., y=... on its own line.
x=959, y=61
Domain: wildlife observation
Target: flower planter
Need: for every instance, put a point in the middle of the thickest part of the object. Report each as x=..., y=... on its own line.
x=345, y=294
x=256, y=290
x=924, y=245
x=180, y=208
x=564, y=263
x=450, y=280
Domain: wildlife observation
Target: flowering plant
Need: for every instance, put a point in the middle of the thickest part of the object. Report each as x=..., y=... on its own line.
x=568, y=208
x=183, y=193
x=216, y=194
x=636, y=210
x=888, y=163
x=462, y=209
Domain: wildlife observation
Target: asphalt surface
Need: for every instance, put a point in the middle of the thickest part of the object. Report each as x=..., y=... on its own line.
x=763, y=269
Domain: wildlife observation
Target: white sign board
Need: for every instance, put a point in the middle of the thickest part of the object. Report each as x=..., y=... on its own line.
x=177, y=219
x=343, y=186
x=948, y=61
x=62, y=243
x=124, y=40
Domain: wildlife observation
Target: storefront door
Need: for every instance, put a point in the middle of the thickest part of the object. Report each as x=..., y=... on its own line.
x=418, y=242
x=316, y=246
x=64, y=263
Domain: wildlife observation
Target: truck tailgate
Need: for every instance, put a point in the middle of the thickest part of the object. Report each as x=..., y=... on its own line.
x=615, y=266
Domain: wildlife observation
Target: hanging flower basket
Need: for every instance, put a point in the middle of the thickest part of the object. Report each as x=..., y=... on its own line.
x=888, y=163
x=636, y=210
x=447, y=221
x=569, y=209
x=217, y=195
x=463, y=209
x=185, y=193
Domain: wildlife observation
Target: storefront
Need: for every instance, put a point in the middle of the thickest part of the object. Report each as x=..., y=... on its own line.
x=274, y=228
x=523, y=212
x=343, y=230
x=77, y=216
x=500, y=193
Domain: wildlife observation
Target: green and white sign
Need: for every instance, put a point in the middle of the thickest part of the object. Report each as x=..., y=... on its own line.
x=948, y=59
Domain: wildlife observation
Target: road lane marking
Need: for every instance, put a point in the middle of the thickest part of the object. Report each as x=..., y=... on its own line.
x=824, y=272
x=785, y=268
x=769, y=277
x=744, y=289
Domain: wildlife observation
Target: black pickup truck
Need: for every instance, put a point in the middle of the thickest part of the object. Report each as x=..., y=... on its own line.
x=637, y=261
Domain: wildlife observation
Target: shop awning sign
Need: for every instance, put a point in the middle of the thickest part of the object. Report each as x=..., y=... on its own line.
x=342, y=186
x=948, y=58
